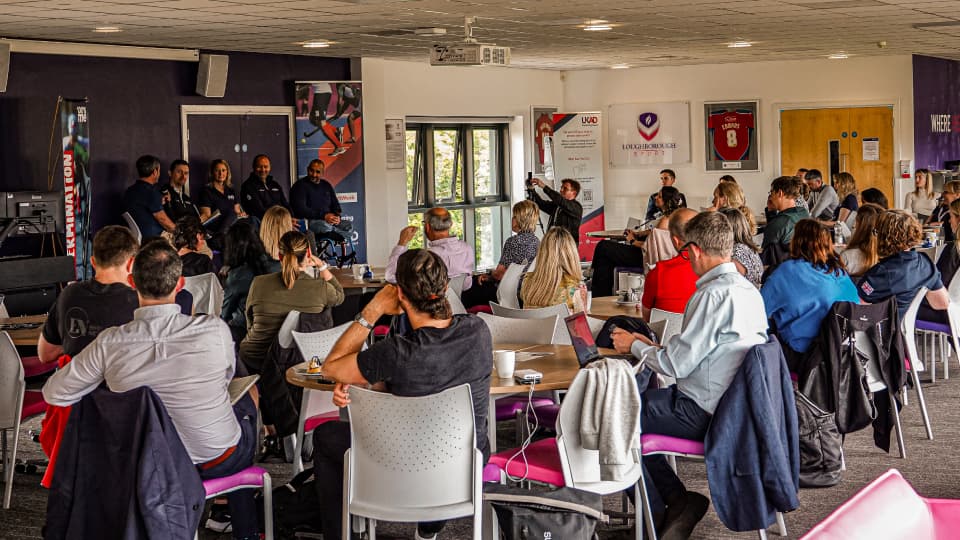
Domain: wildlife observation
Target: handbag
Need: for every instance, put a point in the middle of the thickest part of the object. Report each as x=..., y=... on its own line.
x=820, y=445
x=565, y=513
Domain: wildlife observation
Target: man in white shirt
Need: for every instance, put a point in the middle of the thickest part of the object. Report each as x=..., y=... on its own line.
x=187, y=361
x=721, y=322
x=823, y=200
x=455, y=253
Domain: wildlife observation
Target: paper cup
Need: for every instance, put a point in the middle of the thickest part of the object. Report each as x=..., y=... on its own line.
x=505, y=362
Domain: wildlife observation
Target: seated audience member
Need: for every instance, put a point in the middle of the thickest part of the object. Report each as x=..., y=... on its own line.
x=703, y=358
x=729, y=195
x=260, y=191
x=188, y=362
x=143, y=201
x=520, y=248
x=276, y=223
x=245, y=259
x=779, y=230
x=86, y=308
x=727, y=178
x=874, y=196
x=848, y=196
x=901, y=272
x=451, y=349
x=189, y=238
x=219, y=196
x=800, y=292
x=562, y=207
x=273, y=296
x=456, y=254
x=746, y=254
x=671, y=283
x=314, y=199
x=176, y=202
x=823, y=199
x=947, y=265
x=801, y=200
x=667, y=179
x=861, y=252
x=923, y=199
x=941, y=215
x=183, y=298
x=557, y=278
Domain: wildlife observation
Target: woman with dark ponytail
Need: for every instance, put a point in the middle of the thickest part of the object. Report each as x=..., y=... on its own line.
x=304, y=284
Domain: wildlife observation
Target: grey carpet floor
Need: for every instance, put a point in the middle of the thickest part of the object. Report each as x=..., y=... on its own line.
x=929, y=467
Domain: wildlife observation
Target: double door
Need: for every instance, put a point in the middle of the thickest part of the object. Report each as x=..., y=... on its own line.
x=858, y=140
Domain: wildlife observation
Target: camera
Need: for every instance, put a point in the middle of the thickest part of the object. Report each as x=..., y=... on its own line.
x=529, y=180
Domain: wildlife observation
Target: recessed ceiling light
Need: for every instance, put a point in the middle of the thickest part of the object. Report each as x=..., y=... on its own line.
x=107, y=29
x=620, y=66
x=315, y=44
x=839, y=56
x=739, y=44
x=597, y=27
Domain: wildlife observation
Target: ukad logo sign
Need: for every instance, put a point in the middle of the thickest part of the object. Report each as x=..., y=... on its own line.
x=648, y=124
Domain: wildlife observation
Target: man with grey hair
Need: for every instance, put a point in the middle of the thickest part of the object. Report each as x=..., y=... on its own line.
x=455, y=253
x=721, y=322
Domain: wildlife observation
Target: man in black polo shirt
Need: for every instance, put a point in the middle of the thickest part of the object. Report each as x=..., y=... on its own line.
x=86, y=308
x=176, y=202
x=260, y=191
x=314, y=199
x=144, y=202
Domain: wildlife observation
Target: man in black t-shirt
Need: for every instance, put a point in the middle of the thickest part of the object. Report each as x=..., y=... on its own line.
x=86, y=308
x=441, y=351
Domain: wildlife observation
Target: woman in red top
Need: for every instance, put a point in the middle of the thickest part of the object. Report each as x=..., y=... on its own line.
x=672, y=282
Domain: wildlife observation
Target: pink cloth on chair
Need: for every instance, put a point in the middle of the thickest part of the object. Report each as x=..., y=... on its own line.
x=32, y=366
x=507, y=407
x=249, y=477
x=322, y=418
x=654, y=444
x=33, y=404
x=543, y=462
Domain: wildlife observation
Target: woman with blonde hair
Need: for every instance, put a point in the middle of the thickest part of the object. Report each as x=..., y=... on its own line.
x=861, y=252
x=848, y=195
x=557, y=278
x=922, y=200
x=219, y=196
x=520, y=248
x=276, y=222
x=730, y=195
x=304, y=284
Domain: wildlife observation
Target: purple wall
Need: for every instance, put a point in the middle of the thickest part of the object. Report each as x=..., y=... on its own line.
x=134, y=109
x=936, y=92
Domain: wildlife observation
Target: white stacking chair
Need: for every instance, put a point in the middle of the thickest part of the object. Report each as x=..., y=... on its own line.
x=316, y=406
x=933, y=337
x=285, y=335
x=207, y=293
x=908, y=326
x=456, y=305
x=526, y=331
x=401, y=445
x=560, y=310
x=509, y=283
x=132, y=225
x=12, y=388
x=456, y=284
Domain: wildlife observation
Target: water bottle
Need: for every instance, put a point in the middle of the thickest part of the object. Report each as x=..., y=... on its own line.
x=837, y=233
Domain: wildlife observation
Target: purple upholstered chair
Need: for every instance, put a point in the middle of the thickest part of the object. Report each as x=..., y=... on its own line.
x=252, y=477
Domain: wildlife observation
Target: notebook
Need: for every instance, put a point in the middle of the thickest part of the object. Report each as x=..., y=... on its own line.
x=585, y=346
x=239, y=386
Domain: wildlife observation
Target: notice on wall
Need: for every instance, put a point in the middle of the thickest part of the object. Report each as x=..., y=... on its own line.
x=396, y=145
x=871, y=149
x=577, y=154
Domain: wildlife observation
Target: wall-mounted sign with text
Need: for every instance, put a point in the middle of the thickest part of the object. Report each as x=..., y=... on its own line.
x=642, y=134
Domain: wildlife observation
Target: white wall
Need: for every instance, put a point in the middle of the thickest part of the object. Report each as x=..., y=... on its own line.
x=807, y=83
x=393, y=89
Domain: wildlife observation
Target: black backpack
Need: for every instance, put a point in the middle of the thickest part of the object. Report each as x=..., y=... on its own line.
x=562, y=514
x=820, y=445
x=296, y=507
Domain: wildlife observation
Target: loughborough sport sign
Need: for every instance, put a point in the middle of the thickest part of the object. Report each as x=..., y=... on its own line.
x=649, y=134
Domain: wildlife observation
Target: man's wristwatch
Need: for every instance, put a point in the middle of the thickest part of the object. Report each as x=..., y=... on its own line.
x=362, y=322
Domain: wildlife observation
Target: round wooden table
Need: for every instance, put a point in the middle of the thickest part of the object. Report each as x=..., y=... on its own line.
x=605, y=307
x=345, y=277
x=24, y=336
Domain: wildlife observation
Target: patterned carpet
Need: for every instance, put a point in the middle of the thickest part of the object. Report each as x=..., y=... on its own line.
x=927, y=467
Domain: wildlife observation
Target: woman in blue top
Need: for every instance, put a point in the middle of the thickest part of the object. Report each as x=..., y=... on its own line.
x=801, y=290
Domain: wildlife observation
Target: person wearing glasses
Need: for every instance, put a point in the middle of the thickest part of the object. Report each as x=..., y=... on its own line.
x=564, y=209
x=314, y=199
x=704, y=358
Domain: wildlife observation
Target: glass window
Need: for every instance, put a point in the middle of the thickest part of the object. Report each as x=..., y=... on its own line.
x=414, y=178
x=485, y=164
x=487, y=236
x=447, y=165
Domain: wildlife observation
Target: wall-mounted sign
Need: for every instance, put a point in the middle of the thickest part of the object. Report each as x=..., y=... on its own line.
x=649, y=134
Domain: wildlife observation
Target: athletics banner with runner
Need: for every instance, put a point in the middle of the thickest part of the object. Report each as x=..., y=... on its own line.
x=730, y=132
x=76, y=184
x=643, y=134
x=329, y=127
x=576, y=153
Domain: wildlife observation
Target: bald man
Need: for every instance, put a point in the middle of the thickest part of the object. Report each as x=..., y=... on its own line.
x=455, y=253
x=671, y=282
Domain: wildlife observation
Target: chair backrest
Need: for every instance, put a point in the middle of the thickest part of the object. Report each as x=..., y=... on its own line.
x=132, y=225
x=207, y=293
x=534, y=313
x=456, y=283
x=659, y=247
x=674, y=322
x=401, y=442
x=581, y=467
x=888, y=507
x=319, y=343
x=3, y=308
x=11, y=383
x=507, y=291
x=456, y=305
x=526, y=331
x=953, y=290
x=908, y=325
x=285, y=335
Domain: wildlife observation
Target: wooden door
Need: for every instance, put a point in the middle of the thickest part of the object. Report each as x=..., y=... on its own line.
x=806, y=135
x=876, y=171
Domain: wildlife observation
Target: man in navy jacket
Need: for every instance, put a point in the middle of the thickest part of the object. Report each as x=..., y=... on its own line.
x=314, y=199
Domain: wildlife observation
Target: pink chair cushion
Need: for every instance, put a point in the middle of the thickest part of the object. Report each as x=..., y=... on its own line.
x=321, y=418
x=546, y=415
x=480, y=309
x=655, y=444
x=543, y=460
x=33, y=404
x=491, y=473
x=32, y=366
x=507, y=407
x=249, y=477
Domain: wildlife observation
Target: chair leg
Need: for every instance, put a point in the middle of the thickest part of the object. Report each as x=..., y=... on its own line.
x=923, y=404
x=646, y=520
x=267, y=506
x=944, y=356
x=781, y=524
x=672, y=460
x=896, y=419
x=9, y=464
x=762, y=533
x=928, y=351
x=372, y=524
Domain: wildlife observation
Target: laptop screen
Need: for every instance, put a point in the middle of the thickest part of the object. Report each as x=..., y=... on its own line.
x=581, y=338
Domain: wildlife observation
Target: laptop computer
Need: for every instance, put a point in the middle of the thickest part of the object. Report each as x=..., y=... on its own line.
x=586, y=347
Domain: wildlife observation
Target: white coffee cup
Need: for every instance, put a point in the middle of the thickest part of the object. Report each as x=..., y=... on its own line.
x=505, y=362
x=357, y=272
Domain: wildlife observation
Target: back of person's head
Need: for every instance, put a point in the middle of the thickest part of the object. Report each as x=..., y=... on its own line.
x=422, y=277
x=864, y=236
x=727, y=178
x=813, y=242
x=669, y=172
x=185, y=234
x=573, y=184
x=241, y=246
x=113, y=246
x=712, y=233
x=156, y=270
x=801, y=173
x=678, y=220
x=439, y=219
x=671, y=199
x=790, y=186
x=845, y=184
x=557, y=260
x=875, y=196
x=814, y=174
x=955, y=212
x=146, y=165
x=742, y=231
x=731, y=193
x=293, y=249
x=525, y=213
x=276, y=222
x=897, y=231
